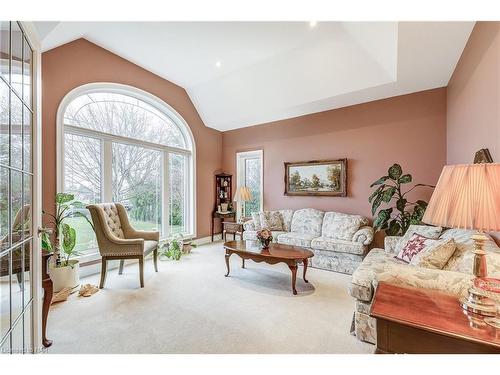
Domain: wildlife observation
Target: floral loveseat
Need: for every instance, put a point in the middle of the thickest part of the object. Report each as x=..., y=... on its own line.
x=381, y=265
x=339, y=241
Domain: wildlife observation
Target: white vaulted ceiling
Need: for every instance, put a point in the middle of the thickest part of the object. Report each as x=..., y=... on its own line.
x=276, y=70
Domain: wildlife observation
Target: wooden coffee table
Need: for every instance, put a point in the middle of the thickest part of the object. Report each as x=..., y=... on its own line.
x=276, y=253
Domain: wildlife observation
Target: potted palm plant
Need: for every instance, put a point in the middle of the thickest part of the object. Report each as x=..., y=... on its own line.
x=64, y=270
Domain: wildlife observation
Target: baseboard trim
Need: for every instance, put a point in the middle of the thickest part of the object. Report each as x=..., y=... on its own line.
x=207, y=239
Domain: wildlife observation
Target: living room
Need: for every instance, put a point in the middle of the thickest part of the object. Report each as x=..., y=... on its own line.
x=254, y=186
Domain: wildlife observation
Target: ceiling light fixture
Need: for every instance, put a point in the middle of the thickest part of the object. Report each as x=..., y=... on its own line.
x=218, y=64
x=312, y=24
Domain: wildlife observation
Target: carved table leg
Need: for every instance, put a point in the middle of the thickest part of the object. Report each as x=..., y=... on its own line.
x=227, y=263
x=305, y=262
x=293, y=268
x=48, y=291
x=242, y=262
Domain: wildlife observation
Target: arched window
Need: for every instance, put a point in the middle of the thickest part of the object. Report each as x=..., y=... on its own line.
x=121, y=144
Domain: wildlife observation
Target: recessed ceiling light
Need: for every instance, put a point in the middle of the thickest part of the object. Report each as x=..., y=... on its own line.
x=218, y=64
x=312, y=24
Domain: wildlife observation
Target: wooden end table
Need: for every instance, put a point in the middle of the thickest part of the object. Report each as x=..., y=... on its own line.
x=276, y=253
x=421, y=321
x=232, y=227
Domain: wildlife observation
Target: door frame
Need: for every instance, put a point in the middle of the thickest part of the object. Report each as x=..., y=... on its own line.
x=36, y=253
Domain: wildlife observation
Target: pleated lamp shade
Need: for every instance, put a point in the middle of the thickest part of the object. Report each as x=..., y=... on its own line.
x=466, y=196
x=243, y=194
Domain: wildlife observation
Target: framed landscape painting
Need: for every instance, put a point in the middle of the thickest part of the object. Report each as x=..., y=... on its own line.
x=316, y=177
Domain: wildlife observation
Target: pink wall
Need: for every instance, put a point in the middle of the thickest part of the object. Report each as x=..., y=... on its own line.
x=81, y=62
x=473, y=104
x=409, y=129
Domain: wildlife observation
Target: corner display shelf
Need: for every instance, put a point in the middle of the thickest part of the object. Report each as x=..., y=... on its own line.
x=223, y=199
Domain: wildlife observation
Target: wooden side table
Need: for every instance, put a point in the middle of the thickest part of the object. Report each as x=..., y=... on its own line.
x=421, y=321
x=223, y=217
x=233, y=228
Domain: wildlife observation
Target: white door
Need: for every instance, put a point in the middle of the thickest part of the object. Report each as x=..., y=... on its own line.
x=19, y=190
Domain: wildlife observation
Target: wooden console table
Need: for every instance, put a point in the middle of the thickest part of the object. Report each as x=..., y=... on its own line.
x=421, y=321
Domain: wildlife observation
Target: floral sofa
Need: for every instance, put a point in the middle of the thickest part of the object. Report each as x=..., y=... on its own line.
x=381, y=265
x=339, y=241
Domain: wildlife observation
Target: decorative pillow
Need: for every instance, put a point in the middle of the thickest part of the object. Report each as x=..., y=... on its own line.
x=341, y=226
x=271, y=220
x=413, y=246
x=424, y=230
x=256, y=220
x=435, y=254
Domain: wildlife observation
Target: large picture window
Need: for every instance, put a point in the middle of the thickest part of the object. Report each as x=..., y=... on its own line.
x=121, y=145
x=250, y=174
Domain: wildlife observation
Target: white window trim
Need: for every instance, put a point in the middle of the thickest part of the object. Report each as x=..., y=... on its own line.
x=240, y=174
x=160, y=105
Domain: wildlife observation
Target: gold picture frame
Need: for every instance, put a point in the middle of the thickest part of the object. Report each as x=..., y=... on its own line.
x=316, y=178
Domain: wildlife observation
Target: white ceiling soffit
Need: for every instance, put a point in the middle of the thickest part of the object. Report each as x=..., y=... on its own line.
x=276, y=70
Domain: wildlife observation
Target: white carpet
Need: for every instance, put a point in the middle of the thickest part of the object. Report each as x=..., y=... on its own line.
x=190, y=307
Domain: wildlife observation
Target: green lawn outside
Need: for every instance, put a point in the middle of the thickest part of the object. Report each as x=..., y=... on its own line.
x=85, y=238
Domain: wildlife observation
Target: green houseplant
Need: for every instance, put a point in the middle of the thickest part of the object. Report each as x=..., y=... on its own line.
x=176, y=247
x=395, y=219
x=64, y=270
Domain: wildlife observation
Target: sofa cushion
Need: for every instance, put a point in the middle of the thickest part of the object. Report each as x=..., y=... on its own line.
x=307, y=220
x=376, y=262
x=272, y=220
x=435, y=254
x=256, y=220
x=341, y=226
x=423, y=230
x=296, y=239
x=325, y=243
x=287, y=219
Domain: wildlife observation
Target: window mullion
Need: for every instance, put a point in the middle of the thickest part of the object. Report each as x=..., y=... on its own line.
x=165, y=193
x=107, y=171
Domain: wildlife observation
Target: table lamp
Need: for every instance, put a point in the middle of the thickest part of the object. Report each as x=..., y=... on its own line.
x=243, y=194
x=468, y=196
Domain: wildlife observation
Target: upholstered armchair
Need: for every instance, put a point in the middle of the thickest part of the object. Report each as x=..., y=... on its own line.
x=117, y=239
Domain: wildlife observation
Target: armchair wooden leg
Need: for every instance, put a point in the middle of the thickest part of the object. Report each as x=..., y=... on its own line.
x=155, y=259
x=120, y=270
x=141, y=271
x=104, y=266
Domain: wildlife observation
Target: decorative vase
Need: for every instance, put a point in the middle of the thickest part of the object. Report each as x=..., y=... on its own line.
x=65, y=277
x=265, y=243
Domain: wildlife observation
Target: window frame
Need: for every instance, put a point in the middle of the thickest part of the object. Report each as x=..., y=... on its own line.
x=106, y=154
x=241, y=158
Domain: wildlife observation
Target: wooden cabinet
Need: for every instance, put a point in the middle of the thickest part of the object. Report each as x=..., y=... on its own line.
x=224, y=206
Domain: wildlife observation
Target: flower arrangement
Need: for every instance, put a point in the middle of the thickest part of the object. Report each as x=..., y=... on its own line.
x=265, y=237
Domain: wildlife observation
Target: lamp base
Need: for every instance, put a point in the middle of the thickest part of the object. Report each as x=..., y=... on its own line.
x=478, y=303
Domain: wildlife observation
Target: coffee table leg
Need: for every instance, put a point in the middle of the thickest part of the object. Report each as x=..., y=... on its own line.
x=242, y=262
x=293, y=268
x=227, y=263
x=305, y=262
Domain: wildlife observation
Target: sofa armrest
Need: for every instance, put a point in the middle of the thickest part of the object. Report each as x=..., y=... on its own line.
x=390, y=243
x=249, y=225
x=450, y=282
x=364, y=235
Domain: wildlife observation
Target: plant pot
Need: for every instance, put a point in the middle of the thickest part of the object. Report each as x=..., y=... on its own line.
x=65, y=277
x=186, y=248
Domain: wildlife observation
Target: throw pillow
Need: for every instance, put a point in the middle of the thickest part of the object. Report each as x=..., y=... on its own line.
x=271, y=220
x=256, y=220
x=341, y=226
x=435, y=254
x=424, y=230
x=413, y=246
